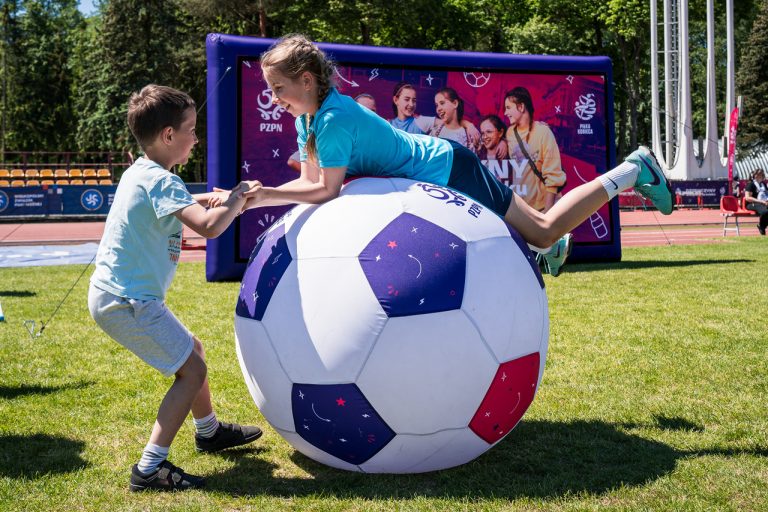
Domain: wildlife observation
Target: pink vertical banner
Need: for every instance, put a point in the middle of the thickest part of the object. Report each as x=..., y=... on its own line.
x=732, y=146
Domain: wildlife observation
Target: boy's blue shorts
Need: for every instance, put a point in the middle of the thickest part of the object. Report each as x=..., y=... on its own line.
x=471, y=177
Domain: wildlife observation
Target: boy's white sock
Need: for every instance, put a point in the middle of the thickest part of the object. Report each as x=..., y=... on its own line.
x=619, y=178
x=206, y=427
x=152, y=457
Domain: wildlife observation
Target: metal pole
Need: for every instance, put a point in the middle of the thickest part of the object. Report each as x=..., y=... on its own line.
x=730, y=89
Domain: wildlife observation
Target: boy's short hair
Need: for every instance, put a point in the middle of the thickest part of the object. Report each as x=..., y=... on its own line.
x=155, y=107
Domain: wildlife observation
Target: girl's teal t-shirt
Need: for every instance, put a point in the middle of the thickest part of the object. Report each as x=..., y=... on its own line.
x=352, y=136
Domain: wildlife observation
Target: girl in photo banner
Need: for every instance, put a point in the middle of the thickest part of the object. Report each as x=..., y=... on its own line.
x=450, y=110
x=492, y=132
x=532, y=145
x=406, y=118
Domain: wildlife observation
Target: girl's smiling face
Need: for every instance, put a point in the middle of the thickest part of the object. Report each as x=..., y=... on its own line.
x=405, y=102
x=294, y=95
x=489, y=134
x=445, y=108
x=513, y=111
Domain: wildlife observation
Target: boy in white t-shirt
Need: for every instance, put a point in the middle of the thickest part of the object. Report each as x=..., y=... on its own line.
x=135, y=264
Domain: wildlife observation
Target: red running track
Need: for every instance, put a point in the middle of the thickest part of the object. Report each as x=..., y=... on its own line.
x=639, y=228
x=54, y=233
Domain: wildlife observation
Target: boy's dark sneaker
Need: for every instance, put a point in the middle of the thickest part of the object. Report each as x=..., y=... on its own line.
x=167, y=477
x=228, y=435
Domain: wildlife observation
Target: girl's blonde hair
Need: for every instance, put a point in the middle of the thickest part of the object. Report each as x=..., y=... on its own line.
x=294, y=54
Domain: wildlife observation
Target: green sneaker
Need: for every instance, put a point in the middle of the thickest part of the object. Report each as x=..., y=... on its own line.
x=651, y=182
x=552, y=263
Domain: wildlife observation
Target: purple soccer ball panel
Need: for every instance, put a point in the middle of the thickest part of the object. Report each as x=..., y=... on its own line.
x=415, y=267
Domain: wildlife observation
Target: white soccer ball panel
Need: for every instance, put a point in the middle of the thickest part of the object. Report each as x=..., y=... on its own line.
x=368, y=186
x=294, y=220
x=450, y=210
x=417, y=454
x=504, y=298
x=267, y=382
x=427, y=372
x=316, y=454
x=324, y=331
x=344, y=226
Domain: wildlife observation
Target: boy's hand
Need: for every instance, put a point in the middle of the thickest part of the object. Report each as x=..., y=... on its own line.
x=219, y=196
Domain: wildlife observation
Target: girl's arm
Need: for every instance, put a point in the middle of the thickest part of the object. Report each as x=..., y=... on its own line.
x=315, y=186
x=211, y=222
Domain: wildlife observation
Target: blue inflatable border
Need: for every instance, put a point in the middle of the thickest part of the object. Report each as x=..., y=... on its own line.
x=224, y=52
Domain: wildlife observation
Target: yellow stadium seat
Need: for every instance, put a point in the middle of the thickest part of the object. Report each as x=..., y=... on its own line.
x=61, y=173
x=105, y=182
x=89, y=173
x=33, y=183
x=46, y=182
x=17, y=183
x=76, y=182
x=17, y=173
x=46, y=173
x=5, y=173
x=91, y=182
x=103, y=173
x=62, y=182
x=5, y=183
x=75, y=173
x=31, y=173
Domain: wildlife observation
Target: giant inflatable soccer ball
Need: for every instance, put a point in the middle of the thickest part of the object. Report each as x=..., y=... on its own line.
x=399, y=328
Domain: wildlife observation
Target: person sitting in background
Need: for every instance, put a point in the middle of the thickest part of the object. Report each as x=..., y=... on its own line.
x=756, y=198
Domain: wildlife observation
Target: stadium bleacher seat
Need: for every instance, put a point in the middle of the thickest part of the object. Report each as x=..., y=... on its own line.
x=5, y=183
x=46, y=182
x=33, y=183
x=17, y=173
x=46, y=173
x=89, y=173
x=31, y=173
x=60, y=173
x=5, y=173
x=61, y=181
x=91, y=182
x=105, y=182
x=76, y=181
x=75, y=173
x=103, y=173
x=17, y=183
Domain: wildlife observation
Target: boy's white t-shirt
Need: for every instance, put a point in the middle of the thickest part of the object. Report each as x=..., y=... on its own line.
x=141, y=245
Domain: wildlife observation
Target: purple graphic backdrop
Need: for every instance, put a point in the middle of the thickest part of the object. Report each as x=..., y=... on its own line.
x=573, y=106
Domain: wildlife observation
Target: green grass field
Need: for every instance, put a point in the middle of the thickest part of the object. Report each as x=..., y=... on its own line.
x=653, y=398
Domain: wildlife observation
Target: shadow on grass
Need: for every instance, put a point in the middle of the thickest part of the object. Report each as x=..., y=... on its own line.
x=541, y=459
x=16, y=293
x=10, y=392
x=632, y=265
x=33, y=456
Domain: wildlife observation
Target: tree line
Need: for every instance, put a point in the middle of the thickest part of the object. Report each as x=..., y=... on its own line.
x=65, y=78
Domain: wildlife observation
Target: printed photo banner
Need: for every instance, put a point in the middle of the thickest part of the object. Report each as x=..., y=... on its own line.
x=571, y=99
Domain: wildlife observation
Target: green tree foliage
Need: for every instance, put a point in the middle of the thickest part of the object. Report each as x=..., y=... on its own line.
x=38, y=101
x=752, y=81
x=91, y=67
